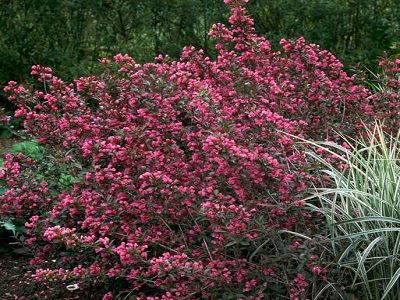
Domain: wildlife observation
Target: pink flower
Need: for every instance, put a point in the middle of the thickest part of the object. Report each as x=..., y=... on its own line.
x=108, y=296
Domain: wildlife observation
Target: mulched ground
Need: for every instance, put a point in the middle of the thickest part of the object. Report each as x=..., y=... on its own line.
x=16, y=283
x=6, y=144
x=16, y=279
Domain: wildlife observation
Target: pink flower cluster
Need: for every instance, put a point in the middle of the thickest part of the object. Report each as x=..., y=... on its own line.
x=186, y=171
x=298, y=291
x=385, y=104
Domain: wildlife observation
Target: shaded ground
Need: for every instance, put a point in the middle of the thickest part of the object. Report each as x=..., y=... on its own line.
x=16, y=279
x=16, y=283
x=6, y=144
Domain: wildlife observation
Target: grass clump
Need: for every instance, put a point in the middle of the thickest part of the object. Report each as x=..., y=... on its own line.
x=360, y=202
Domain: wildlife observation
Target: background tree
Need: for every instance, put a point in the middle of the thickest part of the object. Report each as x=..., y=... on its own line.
x=70, y=35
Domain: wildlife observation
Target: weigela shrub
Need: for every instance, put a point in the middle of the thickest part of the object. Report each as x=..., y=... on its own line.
x=386, y=103
x=183, y=180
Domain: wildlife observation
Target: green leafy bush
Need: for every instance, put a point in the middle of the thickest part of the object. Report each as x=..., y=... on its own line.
x=28, y=148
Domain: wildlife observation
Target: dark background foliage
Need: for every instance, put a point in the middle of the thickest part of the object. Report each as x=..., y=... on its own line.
x=71, y=35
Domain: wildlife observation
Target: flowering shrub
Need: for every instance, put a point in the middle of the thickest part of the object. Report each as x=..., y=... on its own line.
x=182, y=183
x=385, y=104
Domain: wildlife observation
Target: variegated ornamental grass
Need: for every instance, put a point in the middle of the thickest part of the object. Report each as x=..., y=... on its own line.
x=362, y=209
